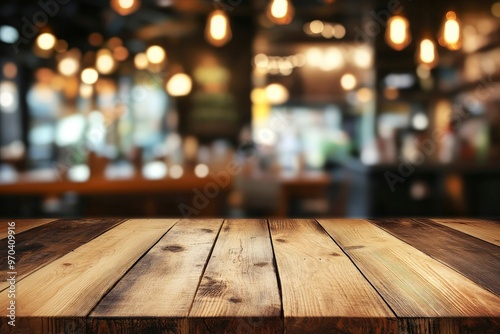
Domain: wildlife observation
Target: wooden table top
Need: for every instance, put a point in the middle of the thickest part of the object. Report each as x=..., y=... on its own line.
x=252, y=276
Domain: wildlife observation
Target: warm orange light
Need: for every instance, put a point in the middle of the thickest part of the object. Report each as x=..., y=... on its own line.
x=89, y=76
x=218, y=30
x=46, y=41
x=397, y=35
x=450, y=36
x=125, y=7
x=156, y=54
x=179, y=85
x=280, y=11
x=427, y=53
x=120, y=53
x=105, y=63
x=348, y=81
x=68, y=66
x=141, y=61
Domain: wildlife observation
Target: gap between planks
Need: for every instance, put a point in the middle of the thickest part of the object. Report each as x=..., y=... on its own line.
x=21, y=276
x=129, y=269
x=23, y=225
x=60, y=295
x=357, y=267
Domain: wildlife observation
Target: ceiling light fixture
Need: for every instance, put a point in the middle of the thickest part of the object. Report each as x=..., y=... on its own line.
x=280, y=11
x=427, y=53
x=397, y=34
x=450, y=36
x=125, y=7
x=218, y=30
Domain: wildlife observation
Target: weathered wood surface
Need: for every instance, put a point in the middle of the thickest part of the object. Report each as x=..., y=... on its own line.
x=255, y=276
x=239, y=290
x=322, y=289
x=73, y=284
x=43, y=244
x=21, y=225
x=486, y=230
x=164, y=282
x=411, y=282
x=472, y=257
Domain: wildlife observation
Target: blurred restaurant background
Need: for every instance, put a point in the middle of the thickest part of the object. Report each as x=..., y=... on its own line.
x=249, y=108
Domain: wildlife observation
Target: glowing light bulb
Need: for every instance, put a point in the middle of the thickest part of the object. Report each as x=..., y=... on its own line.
x=68, y=66
x=218, y=30
x=427, y=53
x=201, y=171
x=450, y=33
x=154, y=170
x=7, y=100
x=276, y=93
x=280, y=11
x=46, y=41
x=105, y=63
x=141, y=61
x=420, y=121
x=89, y=76
x=348, y=81
x=155, y=54
x=125, y=7
x=126, y=3
x=316, y=27
x=179, y=85
x=397, y=35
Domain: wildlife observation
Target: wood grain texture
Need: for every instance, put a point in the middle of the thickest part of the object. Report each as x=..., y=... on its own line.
x=486, y=230
x=239, y=289
x=415, y=285
x=22, y=225
x=322, y=290
x=250, y=276
x=46, y=243
x=72, y=285
x=472, y=257
x=163, y=283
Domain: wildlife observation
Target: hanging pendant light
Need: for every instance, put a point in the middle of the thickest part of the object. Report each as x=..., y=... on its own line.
x=450, y=35
x=280, y=11
x=218, y=30
x=427, y=53
x=125, y=7
x=397, y=34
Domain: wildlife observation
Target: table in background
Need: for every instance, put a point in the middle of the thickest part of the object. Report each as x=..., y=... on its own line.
x=259, y=276
x=131, y=197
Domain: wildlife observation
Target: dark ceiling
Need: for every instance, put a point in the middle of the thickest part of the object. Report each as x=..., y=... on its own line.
x=178, y=19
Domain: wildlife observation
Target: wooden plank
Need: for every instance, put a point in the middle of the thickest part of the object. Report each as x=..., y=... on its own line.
x=22, y=225
x=162, y=284
x=72, y=285
x=46, y=243
x=486, y=230
x=415, y=285
x=322, y=290
x=239, y=289
x=472, y=257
